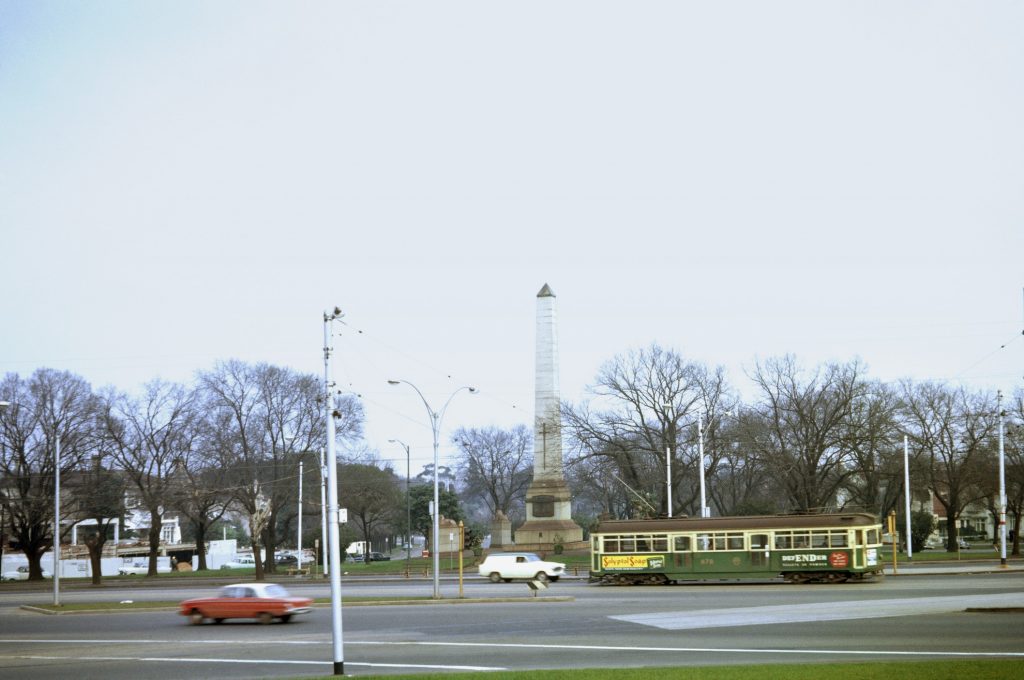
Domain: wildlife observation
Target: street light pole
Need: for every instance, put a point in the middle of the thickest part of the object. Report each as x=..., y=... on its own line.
x=1002, y=488
x=435, y=425
x=408, y=506
x=323, y=512
x=700, y=450
x=332, y=497
x=906, y=487
x=668, y=460
x=298, y=563
x=56, y=522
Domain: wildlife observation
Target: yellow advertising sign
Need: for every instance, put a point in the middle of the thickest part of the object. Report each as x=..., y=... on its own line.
x=632, y=561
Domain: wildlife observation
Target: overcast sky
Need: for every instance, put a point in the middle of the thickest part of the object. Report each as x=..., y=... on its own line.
x=182, y=182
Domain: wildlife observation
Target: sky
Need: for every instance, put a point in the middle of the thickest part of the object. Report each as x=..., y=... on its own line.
x=188, y=182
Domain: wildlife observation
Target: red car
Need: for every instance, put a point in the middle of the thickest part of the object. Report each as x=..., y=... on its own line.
x=262, y=601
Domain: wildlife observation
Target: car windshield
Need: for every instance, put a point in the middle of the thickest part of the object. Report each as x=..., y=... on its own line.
x=276, y=591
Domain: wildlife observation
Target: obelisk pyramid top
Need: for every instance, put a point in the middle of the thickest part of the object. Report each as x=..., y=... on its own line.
x=546, y=291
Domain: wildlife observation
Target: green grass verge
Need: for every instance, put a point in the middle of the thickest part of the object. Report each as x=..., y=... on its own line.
x=985, y=669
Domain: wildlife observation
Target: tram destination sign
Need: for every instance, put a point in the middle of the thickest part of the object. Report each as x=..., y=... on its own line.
x=632, y=562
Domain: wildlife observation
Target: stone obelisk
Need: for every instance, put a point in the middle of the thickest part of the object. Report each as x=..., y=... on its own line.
x=548, y=502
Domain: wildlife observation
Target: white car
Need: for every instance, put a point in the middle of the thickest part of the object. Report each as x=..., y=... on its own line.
x=507, y=566
x=240, y=562
x=21, y=574
x=140, y=569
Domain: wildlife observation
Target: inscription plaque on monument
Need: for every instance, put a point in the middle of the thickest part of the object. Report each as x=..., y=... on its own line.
x=543, y=506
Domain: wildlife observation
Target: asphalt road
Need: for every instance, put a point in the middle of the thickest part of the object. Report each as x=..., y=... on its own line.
x=907, y=618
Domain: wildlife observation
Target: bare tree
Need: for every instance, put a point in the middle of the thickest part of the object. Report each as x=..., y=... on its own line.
x=740, y=483
x=806, y=417
x=496, y=467
x=952, y=429
x=50, y=406
x=99, y=495
x=646, y=401
x=1014, y=467
x=264, y=418
x=201, y=488
x=373, y=499
x=148, y=437
x=873, y=439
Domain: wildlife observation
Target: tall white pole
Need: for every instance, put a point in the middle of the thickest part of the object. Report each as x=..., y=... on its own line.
x=668, y=477
x=700, y=449
x=299, y=541
x=906, y=494
x=437, y=511
x=56, y=522
x=435, y=426
x=1002, y=488
x=323, y=512
x=332, y=498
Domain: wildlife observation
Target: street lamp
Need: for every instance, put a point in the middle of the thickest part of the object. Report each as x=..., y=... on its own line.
x=435, y=425
x=332, y=494
x=408, y=506
x=705, y=511
x=1002, y=487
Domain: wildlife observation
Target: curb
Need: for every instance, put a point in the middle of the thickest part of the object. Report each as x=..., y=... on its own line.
x=320, y=605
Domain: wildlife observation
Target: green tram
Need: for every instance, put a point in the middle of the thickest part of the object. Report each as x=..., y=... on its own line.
x=799, y=548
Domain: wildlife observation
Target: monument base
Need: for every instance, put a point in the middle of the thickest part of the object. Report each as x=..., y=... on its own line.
x=548, y=517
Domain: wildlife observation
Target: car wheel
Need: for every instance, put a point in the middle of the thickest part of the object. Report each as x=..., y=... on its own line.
x=495, y=577
x=265, y=618
x=196, y=618
x=554, y=578
x=541, y=576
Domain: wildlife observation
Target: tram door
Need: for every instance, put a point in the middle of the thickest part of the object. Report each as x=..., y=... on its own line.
x=858, y=549
x=759, y=551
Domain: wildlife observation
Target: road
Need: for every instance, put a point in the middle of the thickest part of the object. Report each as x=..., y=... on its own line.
x=905, y=618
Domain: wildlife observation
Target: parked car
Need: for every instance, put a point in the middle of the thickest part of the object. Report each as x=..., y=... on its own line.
x=507, y=566
x=240, y=562
x=286, y=560
x=962, y=543
x=379, y=557
x=21, y=574
x=140, y=569
x=261, y=601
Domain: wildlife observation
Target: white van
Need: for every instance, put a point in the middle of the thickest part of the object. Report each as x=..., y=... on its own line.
x=507, y=566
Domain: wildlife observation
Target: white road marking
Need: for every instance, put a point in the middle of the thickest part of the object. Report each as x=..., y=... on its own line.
x=825, y=611
x=690, y=650
x=436, y=667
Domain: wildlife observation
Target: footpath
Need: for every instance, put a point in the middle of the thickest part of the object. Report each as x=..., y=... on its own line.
x=976, y=566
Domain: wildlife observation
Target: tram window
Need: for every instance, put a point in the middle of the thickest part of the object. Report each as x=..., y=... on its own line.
x=838, y=539
x=627, y=544
x=611, y=544
x=682, y=543
x=873, y=537
x=704, y=542
x=819, y=539
x=783, y=541
x=735, y=541
x=660, y=543
x=801, y=541
x=643, y=544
